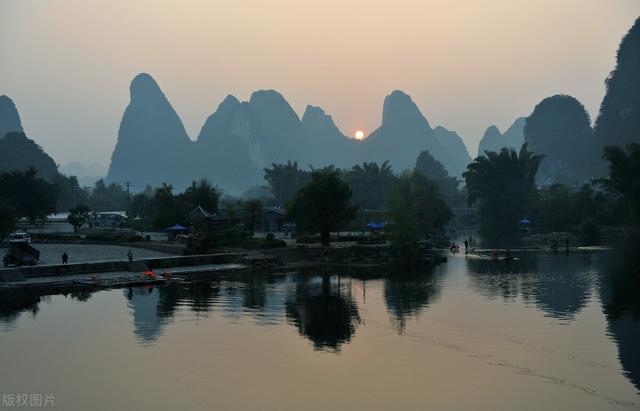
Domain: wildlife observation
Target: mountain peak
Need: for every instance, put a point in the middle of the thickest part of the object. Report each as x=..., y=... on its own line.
x=315, y=117
x=492, y=131
x=9, y=117
x=267, y=96
x=144, y=87
x=399, y=108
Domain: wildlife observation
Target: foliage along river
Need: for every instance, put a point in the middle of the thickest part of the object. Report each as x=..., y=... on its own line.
x=549, y=331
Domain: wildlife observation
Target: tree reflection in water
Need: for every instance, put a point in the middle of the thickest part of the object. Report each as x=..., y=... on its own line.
x=324, y=312
x=559, y=285
x=407, y=293
x=620, y=296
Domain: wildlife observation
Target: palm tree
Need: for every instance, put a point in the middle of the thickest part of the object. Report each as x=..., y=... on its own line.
x=285, y=180
x=370, y=182
x=503, y=184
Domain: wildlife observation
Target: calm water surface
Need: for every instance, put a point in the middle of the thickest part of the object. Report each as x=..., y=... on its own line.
x=545, y=332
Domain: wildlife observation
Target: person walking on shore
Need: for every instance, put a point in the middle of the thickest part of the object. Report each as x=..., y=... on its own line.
x=130, y=256
x=65, y=258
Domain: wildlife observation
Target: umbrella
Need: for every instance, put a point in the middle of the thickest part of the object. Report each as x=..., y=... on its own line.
x=375, y=226
x=524, y=221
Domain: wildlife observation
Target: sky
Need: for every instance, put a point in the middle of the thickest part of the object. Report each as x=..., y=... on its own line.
x=468, y=64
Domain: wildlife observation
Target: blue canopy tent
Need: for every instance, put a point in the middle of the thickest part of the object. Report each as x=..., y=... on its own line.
x=525, y=221
x=375, y=226
x=176, y=228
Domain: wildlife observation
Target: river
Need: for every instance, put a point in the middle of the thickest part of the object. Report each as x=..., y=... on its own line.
x=546, y=331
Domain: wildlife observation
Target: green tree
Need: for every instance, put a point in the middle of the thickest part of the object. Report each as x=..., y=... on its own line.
x=285, y=180
x=370, y=182
x=78, y=216
x=7, y=219
x=110, y=197
x=416, y=211
x=435, y=171
x=624, y=176
x=70, y=194
x=504, y=186
x=169, y=212
x=252, y=214
x=322, y=205
x=29, y=195
x=200, y=193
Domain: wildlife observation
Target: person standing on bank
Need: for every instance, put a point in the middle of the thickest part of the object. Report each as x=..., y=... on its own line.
x=65, y=258
x=130, y=256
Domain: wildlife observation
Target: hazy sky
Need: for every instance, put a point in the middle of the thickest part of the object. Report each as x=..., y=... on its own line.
x=467, y=63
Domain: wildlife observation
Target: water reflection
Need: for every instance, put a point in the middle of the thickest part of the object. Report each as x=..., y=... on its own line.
x=14, y=302
x=559, y=285
x=620, y=296
x=323, y=311
x=407, y=293
x=323, y=306
x=143, y=303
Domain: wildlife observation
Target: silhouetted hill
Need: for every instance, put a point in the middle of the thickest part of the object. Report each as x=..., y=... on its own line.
x=9, y=117
x=514, y=136
x=240, y=139
x=17, y=152
x=87, y=174
x=560, y=128
x=491, y=140
x=153, y=146
x=404, y=133
x=281, y=136
x=456, y=149
x=326, y=142
x=226, y=151
x=619, y=120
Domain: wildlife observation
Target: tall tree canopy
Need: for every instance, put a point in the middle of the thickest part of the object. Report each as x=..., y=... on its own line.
x=29, y=195
x=503, y=184
x=370, y=182
x=416, y=210
x=560, y=129
x=624, y=176
x=285, y=180
x=201, y=193
x=435, y=171
x=322, y=205
x=619, y=119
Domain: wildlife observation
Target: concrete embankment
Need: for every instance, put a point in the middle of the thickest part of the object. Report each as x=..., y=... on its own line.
x=54, y=270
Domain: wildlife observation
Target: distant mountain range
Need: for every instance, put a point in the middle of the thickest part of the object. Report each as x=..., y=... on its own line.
x=493, y=140
x=240, y=139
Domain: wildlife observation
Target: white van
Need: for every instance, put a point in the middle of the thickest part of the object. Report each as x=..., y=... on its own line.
x=19, y=237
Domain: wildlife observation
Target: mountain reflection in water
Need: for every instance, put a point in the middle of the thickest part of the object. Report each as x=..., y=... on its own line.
x=330, y=307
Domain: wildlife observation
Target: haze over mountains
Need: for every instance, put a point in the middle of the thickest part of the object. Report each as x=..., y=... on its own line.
x=240, y=139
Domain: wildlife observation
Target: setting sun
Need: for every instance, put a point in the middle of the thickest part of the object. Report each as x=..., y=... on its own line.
x=359, y=135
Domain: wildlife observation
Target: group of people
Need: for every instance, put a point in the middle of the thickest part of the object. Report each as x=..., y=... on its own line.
x=455, y=248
